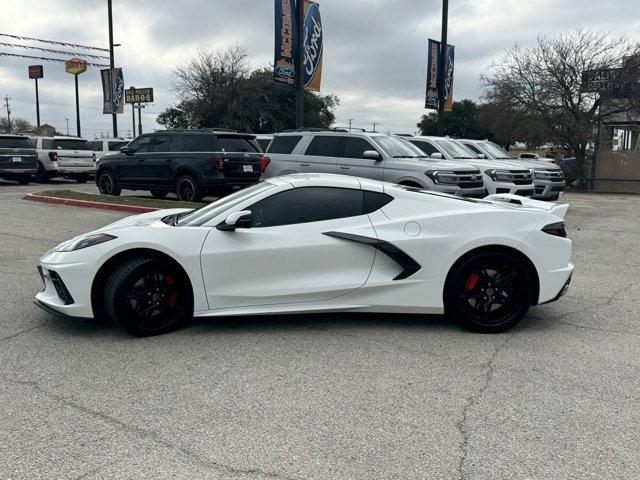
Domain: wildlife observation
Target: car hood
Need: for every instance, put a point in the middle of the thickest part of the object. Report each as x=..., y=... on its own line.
x=535, y=164
x=487, y=164
x=439, y=164
x=143, y=219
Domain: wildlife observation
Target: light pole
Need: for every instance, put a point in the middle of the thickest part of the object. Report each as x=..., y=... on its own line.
x=442, y=68
x=111, y=61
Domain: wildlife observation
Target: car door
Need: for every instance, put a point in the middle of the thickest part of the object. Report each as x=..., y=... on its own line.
x=130, y=167
x=321, y=155
x=353, y=162
x=287, y=256
x=156, y=169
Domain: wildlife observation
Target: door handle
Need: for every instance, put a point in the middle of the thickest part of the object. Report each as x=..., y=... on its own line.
x=345, y=167
x=305, y=164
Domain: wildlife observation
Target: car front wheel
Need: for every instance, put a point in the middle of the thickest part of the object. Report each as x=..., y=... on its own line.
x=489, y=292
x=107, y=184
x=148, y=296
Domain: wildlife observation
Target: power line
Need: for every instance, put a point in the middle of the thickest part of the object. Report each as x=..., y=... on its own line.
x=54, y=42
x=49, y=59
x=50, y=50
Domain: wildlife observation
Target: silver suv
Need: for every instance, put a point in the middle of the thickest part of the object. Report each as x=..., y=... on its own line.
x=499, y=176
x=548, y=178
x=377, y=156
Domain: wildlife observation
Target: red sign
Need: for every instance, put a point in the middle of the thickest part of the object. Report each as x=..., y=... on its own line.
x=36, y=71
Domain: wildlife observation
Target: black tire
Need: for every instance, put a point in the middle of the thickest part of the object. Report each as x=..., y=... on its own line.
x=83, y=178
x=107, y=184
x=148, y=296
x=159, y=194
x=24, y=179
x=41, y=175
x=188, y=190
x=489, y=292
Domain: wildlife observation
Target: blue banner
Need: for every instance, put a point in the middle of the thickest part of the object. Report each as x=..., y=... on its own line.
x=433, y=63
x=112, y=90
x=286, y=42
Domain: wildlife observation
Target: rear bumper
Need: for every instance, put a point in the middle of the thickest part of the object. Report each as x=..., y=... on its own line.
x=562, y=291
x=17, y=171
x=70, y=170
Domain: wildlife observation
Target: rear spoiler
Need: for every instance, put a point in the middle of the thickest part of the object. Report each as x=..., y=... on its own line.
x=525, y=202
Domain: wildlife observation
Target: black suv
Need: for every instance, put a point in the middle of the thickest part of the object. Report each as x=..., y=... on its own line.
x=18, y=158
x=191, y=163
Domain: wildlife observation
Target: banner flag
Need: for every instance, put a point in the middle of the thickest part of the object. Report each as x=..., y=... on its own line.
x=286, y=51
x=433, y=62
x=112, y=90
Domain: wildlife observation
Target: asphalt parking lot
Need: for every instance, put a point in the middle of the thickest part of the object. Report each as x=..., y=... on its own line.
x=336, y=396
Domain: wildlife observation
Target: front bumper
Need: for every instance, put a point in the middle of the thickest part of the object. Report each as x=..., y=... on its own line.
x=477, y=192
x=526, y=190
x=548, y=190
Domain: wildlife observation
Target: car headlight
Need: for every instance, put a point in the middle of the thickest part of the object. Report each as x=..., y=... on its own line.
x=500, y=175
x=443, y=177
x=546, y=174
x=83, y=242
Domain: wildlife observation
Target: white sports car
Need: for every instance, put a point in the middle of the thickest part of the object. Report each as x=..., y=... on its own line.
x=316, y=243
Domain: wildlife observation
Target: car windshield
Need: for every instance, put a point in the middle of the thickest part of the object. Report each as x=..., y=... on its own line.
x=455, y=149
x=206, y=213
x=15, y=142
x=71, y=145
x=494, y=150
x=397, y=147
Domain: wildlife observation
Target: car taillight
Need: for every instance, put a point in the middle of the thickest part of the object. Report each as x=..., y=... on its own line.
x=53, y=156
x=557, y=229
x=264, y=163
x=216, y=162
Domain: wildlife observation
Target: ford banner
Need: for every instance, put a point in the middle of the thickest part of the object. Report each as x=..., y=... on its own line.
x=112, y=90
x=432, y=75
x=286, y=51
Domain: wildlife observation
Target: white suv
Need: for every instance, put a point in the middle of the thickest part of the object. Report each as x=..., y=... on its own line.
x=499, y=176
x=548, y=178
x=69, y=157
x=377, y=156
x=103, y=146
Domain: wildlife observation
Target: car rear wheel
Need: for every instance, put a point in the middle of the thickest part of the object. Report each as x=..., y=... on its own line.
x=489, y=292
x=24, y=179
x=188, y=190
x=160, y=194
x=107, y=184
x=148, y=296
x=41, y=175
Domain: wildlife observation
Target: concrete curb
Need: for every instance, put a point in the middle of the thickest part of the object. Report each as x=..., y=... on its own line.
x=88, y=204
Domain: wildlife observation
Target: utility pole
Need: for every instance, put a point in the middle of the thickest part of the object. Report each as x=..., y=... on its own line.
x=441, y=67
x=8, y=107
x=375, y=124
x=140, y=106
x=350, y=122
x=37, y=106
x=111, y=61
x=67, y=125
x=78, y=131
x=299, y=66
x=133, y=118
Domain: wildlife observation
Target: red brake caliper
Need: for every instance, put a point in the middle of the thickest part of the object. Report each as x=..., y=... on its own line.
x=172, y=300
x=472, y=283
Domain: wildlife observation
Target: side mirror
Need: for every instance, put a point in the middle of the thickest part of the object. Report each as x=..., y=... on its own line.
x=127, y=150
x=372, y=155
x=236, y=220
x=436, y=155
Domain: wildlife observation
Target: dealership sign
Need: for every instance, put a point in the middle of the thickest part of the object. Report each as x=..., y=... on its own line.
x=433, y=75
x=36, y=71
x=287, y=43
x=112, y=90
x=75, y=66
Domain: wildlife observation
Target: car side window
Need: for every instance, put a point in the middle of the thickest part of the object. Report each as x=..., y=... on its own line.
x=161, y=143
x=305, y=205
x=284, y=144
x=426, y=147
x=355, y=147
x=473, y=147
x=324, y=146
x=47, y=143
x=141, y=144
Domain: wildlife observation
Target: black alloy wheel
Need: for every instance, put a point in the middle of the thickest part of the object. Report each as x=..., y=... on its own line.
x=148, y=296
x=489, y=292
x=41, y=175
x=187, y=189
x=107, y=184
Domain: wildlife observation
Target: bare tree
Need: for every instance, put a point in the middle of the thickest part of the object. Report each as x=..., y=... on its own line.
x=545, y=83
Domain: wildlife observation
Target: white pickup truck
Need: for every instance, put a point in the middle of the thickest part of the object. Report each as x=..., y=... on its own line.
x=69, y=157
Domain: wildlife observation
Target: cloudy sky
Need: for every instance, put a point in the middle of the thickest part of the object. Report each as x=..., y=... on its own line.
x=375, y=50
